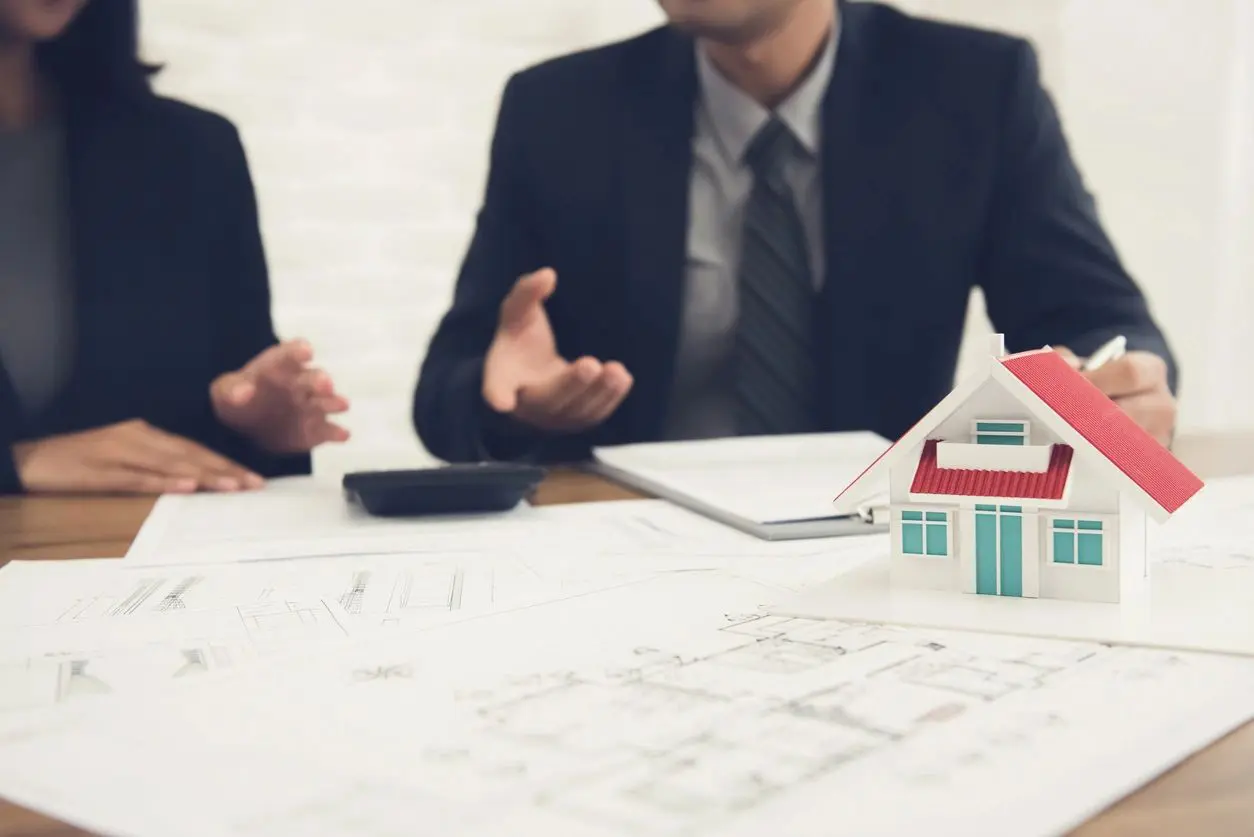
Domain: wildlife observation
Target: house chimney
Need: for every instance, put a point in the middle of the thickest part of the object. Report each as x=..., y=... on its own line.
x=997, y=345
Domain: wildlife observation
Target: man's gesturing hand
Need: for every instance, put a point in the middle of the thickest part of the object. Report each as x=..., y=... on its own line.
x=280, y=402
x=1137, y=382
x=128, y=458
x=525, y=377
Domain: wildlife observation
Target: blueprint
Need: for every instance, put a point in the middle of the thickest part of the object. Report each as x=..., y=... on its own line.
x=623, y=712
x=117, y=652
x=86, y=628
x=65, y=625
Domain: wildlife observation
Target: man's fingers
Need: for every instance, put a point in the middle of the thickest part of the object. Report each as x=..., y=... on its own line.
x=526, y=295
x=1069, y=356
x=1153, y=411
x=1134, y=373
x=602, y=397
x=554, y=396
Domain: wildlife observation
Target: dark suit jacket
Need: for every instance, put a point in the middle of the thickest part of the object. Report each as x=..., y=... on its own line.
x=169, y=276
x=945, y=168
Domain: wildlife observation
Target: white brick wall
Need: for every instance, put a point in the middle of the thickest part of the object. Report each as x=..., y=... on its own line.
x=367, y=125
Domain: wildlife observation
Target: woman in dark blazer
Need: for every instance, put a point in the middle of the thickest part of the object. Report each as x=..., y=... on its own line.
x=137, y=351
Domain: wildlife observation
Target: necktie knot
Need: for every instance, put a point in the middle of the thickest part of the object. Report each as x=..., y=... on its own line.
x=770, y=148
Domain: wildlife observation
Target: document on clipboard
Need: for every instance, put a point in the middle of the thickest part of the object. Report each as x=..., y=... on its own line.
x=772, y=487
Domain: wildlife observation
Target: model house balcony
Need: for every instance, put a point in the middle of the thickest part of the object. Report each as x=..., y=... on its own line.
x=981, y=457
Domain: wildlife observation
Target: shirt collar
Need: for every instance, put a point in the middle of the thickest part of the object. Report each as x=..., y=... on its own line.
x=736, y=117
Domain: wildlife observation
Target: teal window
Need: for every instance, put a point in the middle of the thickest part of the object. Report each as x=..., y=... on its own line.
x=1077, y=542
x=925, y=533
x=1001, y=432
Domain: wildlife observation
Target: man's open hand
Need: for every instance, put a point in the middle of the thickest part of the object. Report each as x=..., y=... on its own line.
x=1137, y=382
x=525, y=377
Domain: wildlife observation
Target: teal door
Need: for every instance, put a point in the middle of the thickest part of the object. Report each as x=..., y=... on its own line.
x=999, y=550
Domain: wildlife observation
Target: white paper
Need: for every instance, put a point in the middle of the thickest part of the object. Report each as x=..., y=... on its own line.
x=1214, y=530
x=617, y=714
x=93, y=628
x=763, y=479
x=154, y=622
x=301, y=518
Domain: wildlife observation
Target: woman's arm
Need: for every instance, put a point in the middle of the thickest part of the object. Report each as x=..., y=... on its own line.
x=240, y=309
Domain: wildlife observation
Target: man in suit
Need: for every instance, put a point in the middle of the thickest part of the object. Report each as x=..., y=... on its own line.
x=767, y=217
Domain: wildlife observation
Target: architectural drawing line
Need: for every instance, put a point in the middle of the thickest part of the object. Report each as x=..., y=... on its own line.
x=352, y=600
x=174, y=599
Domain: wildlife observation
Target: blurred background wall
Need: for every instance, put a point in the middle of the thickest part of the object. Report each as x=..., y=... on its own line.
x=367, y=125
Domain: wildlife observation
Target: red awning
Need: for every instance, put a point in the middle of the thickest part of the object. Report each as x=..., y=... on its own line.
x=971, y=482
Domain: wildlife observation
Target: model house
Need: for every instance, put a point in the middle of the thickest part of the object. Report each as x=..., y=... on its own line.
x=1027, y=481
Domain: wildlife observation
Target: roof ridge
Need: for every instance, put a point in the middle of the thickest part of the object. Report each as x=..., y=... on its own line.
x=1027, y=353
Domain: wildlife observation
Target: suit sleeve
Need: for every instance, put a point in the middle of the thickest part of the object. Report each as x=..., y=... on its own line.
x=240, y=304
x=10, y=419
x=9, y=482
x=450, y=415
x=1051, y=274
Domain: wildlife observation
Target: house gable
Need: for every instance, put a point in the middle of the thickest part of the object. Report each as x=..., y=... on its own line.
x=983, y=397
x=851, y=496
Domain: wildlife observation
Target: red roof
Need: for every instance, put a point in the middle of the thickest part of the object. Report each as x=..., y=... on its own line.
x=971, y=482
x=1105, y=426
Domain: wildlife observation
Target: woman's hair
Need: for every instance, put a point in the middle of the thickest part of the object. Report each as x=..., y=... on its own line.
x=98, y=54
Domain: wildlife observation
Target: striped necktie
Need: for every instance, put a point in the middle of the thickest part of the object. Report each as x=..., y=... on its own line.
x=776, y=348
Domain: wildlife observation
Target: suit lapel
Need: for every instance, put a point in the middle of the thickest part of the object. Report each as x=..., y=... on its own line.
x=656, y=136
x=854, y=172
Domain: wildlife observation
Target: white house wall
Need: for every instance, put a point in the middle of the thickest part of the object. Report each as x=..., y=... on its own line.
x=1079, y=582
x=927, y=572
x=1134, y=527
x=1090, y=490
x=990, y=402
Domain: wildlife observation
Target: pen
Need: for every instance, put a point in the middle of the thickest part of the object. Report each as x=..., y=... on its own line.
x=1111, y=350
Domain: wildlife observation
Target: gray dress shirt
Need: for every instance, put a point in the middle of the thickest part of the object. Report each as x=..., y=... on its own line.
x=727, y=120
x=36, y=301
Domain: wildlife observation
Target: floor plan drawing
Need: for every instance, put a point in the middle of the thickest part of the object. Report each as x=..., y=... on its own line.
x=94, y=607
x=679, y=742
x=81, y=657
x=687, y=741
x=439, y=589
x=392, y=591
x=651, y=723
x=352, y=599
x=280, y=621
x=175, y=598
